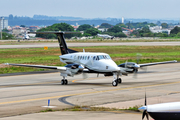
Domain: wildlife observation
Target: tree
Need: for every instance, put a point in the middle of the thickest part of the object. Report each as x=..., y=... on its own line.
x=106, y=25
x=178, y=35
x=5, y=30
x=145, y=30
x=119, y=34
x=92, y=31
x=84, y=27
x=175, y=30
x=122, y=25
x=115, y=29
x=135, y=32
x=56, y=27
x=164, y=25
x=6, y=36
x=22, y=26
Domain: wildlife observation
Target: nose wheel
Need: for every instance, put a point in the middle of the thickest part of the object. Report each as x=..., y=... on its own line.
x=115, y=83
x=64, y=82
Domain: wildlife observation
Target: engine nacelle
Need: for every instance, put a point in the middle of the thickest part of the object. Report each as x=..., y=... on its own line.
x=75, y=68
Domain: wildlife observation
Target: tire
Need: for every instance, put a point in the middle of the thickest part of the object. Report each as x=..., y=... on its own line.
x=115, y=83
x=62, y=82
x=65, y=82
x=119, y=80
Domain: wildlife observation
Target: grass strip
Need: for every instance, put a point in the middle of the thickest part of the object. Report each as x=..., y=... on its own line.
x=50, y=57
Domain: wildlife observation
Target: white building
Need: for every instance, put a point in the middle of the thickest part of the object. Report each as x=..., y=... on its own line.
x=158, y=29
x=3, y=23
x=123, y=20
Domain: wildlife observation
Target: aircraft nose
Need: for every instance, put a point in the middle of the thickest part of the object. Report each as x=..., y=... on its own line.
x=142, y=108
x=114, y=68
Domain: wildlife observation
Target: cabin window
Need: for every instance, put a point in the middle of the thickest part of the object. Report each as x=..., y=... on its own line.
x=88, y=57
x=97, y=58
x=94, y=57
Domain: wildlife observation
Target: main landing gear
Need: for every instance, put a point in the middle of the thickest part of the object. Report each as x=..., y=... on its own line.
x=64, y=81
x=116, y=81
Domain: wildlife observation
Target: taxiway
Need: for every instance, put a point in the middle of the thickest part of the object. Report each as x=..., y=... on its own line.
x=24, y=94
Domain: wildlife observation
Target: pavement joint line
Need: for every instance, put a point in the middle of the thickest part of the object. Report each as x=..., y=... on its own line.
x=86, y=93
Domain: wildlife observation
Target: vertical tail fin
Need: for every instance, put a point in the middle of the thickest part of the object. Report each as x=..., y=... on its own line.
x=62, y=44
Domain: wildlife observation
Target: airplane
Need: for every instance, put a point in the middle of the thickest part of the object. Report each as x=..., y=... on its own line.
x=162, y=111
x=105, y=36
x=26, y=37
x=82, y=62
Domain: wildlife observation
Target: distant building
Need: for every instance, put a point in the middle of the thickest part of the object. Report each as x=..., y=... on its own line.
x=3, y=23
x=123, y=20
x=158, y=29
x=34, y=28
x=102, y=29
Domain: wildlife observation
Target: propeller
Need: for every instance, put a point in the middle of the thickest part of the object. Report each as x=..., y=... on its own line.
x=145, y=111
x=138, y=57
x=84, y=75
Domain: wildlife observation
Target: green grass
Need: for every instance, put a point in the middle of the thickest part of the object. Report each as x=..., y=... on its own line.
x=51, y=56
x=134, y=108
x=87, y=108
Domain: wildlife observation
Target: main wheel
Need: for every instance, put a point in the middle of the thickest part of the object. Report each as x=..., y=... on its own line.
x=115, y=83
x=119, y=80
x=65, y=82
x=62, y=82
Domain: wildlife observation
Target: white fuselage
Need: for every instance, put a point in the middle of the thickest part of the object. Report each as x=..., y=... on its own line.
x=98, y=62
x=163, y=107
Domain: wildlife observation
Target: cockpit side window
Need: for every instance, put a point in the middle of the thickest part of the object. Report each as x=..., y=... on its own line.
x=97, y=58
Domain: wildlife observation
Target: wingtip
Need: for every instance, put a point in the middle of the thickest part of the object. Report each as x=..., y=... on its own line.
x=6, y=63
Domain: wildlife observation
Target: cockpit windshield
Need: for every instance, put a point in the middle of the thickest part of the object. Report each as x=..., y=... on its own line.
x=100, y=57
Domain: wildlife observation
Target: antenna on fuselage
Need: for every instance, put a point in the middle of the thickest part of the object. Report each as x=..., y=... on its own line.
x=83, y=50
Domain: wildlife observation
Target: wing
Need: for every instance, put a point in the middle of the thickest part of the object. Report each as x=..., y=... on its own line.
x=39, y=66
x=156, y=63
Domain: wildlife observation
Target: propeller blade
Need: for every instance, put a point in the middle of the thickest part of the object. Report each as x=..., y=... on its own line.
x=126, y=64
x=145, y=100
x=144, y=68
x=135, y=73
x=144, y=114
x=147, y=116
x=85, y=75
x=138, y=57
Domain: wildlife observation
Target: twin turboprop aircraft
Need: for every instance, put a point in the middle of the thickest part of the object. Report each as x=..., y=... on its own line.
x=87, y=62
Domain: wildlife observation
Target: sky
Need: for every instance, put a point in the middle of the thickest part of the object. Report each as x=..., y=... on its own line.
x=150, y=9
